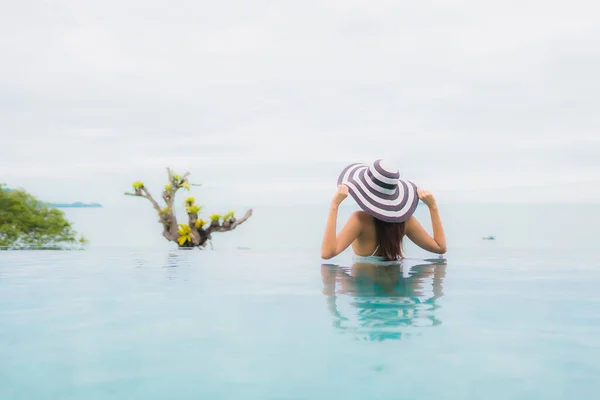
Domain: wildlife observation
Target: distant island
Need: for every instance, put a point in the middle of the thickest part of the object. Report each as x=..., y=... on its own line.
x=77, y=204
x=74, y=205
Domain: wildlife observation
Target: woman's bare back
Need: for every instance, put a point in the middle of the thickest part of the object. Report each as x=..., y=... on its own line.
x=366, y=244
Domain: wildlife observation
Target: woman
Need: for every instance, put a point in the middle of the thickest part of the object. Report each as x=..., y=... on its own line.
x=388, y=204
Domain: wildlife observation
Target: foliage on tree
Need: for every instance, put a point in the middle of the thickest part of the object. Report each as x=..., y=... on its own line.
x=27, y=223
x=197, y=232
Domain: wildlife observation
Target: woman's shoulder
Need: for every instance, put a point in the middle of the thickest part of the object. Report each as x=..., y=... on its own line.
x=411, y=224
x=362, y=216
x=411, y=221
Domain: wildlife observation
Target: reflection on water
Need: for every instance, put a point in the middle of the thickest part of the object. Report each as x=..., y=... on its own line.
x=384, y=301
x=171, y=262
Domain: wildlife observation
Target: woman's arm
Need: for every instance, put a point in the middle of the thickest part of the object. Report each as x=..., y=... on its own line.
x=416, y=233
x=333, y=245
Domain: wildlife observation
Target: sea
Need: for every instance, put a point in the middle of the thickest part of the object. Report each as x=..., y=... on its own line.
x=259, y=315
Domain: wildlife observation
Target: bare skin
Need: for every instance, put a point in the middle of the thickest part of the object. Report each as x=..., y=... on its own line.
x=359, y=230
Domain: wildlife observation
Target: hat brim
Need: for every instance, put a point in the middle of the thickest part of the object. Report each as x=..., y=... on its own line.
x=395, y=207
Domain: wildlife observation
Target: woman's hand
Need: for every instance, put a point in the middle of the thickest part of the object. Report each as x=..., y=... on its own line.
x=427, y=198
x=340, y=195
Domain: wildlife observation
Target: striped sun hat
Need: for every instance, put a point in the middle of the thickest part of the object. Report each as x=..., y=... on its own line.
x=378, y=190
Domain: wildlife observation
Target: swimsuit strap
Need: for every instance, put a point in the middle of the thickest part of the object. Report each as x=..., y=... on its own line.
x=376, y=248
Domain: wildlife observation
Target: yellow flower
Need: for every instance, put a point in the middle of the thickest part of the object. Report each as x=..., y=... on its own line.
x=228, y=216
x=186, y=184
x=193, y=209
x=138, y=185
x=190, y=200
x=168, y=187
x=200, y=223
x=185, y=234
x=215, y=217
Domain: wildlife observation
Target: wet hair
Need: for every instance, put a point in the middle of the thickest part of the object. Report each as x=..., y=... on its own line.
x=389, y=237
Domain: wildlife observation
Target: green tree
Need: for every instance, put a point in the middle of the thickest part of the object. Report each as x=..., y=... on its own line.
x=26, y=222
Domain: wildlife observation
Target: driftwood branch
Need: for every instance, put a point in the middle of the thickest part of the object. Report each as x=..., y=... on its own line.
x=226, y=227
x=149, y=197
x=169, y=195
x=143, y=192
x=192, y=218
x=194, y=236
x=166, y=216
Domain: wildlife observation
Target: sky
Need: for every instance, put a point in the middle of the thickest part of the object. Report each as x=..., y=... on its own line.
x=265, y=102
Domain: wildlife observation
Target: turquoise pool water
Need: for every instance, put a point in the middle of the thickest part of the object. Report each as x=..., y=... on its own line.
x=133, y=318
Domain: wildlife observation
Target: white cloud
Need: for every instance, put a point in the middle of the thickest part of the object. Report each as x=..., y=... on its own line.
x=469, y=98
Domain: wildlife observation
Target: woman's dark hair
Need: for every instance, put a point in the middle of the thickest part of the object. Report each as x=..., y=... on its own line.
x=389, y=236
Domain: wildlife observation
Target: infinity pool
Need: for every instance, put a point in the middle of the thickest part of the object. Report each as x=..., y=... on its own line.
x=158, y=324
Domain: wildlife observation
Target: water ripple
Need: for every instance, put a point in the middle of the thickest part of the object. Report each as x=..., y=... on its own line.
x=379, y=302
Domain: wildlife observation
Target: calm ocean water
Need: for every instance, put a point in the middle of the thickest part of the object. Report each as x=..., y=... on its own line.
x=262, y=317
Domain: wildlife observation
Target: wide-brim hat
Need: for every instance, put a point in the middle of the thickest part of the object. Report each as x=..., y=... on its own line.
x=379, y=191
